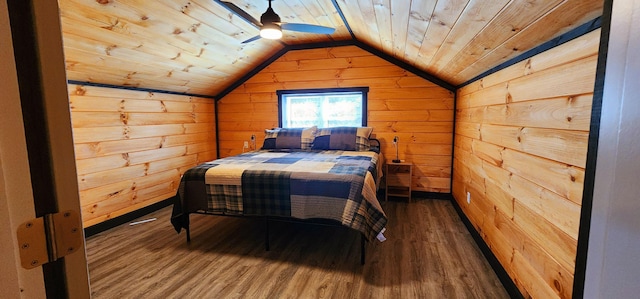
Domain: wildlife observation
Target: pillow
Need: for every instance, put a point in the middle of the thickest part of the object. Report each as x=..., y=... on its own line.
x=342, y=138
x=289, y=138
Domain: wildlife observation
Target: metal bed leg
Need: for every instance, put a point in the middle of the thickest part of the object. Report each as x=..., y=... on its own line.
x=266, y=235
x=188, y=228
x=363, y=241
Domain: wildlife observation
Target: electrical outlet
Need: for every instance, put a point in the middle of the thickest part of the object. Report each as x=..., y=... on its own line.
x=246, y=144
x=468, y=197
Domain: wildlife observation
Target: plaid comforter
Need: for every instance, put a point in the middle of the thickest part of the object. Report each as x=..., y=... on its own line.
x=335, y=185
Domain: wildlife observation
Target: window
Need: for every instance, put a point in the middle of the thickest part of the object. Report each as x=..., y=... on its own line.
x=323, y=107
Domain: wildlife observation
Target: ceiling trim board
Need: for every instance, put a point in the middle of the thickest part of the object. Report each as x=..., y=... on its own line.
x=568, y=36
x=453, y=140
x=215, y=111
x=85, y=83
x=344, y=19
x=328, y=44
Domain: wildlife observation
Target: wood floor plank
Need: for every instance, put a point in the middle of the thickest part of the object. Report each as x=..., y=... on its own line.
x=428, y=254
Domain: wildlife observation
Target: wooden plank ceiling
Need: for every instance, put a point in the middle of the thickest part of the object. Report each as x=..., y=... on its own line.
x=195, y=46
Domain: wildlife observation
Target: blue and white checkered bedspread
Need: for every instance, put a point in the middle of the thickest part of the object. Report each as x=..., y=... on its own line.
x=335, y=185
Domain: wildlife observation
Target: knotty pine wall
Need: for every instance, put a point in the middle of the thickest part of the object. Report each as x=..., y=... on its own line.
x=132, y=146
x=520, y=151
x=400, y=103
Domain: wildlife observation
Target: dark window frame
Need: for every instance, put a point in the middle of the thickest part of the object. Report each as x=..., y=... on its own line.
x=363, y=90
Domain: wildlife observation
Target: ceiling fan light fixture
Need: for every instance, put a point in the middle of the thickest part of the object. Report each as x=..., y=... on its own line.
x=271, y=26
x=271, y=31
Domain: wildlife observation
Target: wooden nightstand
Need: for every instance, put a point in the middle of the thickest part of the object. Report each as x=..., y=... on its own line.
x=398, y=181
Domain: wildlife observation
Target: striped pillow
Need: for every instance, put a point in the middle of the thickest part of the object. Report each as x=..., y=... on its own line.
x=289, y=138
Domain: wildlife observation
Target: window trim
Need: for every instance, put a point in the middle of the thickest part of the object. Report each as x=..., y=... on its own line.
x=363, y=90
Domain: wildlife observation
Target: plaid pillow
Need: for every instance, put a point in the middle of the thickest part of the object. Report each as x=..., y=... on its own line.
x=289, y=138
x=342, y=138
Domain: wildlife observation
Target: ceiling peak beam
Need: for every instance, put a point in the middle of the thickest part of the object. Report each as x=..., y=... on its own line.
x=344, y=20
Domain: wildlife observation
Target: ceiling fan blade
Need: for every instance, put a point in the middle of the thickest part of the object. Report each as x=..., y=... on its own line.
x=257, y=37
x=241, y=13
x=307, y=28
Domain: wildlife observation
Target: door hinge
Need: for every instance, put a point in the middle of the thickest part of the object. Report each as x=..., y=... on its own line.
x=48, y=238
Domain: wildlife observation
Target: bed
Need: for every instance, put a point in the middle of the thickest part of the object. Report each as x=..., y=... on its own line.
x=307, y=177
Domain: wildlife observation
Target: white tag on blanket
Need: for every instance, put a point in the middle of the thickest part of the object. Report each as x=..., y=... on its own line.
x=380, y=236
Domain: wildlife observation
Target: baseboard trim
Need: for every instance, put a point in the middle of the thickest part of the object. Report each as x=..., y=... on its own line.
x=431, y=195
x=111, y=223
x=504, y=278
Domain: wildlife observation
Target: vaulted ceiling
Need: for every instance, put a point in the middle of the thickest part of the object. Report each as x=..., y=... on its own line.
x=195, y=46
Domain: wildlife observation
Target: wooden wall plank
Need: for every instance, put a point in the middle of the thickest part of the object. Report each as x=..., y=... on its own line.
x=493, y=95
x=558, y=145
x=92, y=180
x=400, y=126
x=415, y=116
x=119, y=209
x=411, y=104
x=520, y=150
x=559, y=113
x=257, y=127
x=90, y=165
x=123, y=93
x=574, y=78
x=563, y=179
x=132, y=146
x=87, y=103
x=558, y=244
x=562, y=213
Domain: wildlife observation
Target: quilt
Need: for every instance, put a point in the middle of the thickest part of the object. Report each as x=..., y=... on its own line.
x=330, y=184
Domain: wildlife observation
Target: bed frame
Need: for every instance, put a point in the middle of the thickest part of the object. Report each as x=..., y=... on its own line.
x=375, y=146
x=267, y=219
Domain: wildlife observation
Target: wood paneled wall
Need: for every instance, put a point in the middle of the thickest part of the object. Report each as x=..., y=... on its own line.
x=520, y=152
x=400, y=104
x=132, y=146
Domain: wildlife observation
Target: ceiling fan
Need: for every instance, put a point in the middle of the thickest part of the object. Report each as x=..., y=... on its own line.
x=270, y=25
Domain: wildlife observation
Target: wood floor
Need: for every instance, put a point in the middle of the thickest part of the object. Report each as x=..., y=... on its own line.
x=428, y=254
